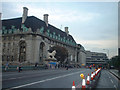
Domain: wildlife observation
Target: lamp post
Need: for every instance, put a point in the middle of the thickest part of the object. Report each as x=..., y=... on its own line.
x=108, y=66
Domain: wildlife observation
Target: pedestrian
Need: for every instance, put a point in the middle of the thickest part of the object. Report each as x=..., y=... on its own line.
x=55, y=66
x=19, y=67
x=50, y=66
x=67, y=67
x=6, y=66
x=36, y=65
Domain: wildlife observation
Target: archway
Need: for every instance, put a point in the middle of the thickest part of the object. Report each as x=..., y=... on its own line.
x=22, y=51
x=41, y=51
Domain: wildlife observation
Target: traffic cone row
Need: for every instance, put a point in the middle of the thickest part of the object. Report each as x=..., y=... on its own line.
x=93, y=74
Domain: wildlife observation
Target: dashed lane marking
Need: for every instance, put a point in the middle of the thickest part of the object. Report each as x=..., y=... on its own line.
x=115, y=86
x=111, y=81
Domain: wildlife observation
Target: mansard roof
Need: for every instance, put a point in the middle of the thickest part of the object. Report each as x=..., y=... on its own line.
x=34, y=23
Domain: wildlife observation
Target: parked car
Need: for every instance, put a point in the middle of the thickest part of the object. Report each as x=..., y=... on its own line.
x=111, y=67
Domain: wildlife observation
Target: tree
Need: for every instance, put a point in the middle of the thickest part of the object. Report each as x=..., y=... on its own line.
x=61, y=53
x=115, y=61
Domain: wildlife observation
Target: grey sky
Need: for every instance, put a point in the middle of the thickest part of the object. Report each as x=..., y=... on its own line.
x=92, y=24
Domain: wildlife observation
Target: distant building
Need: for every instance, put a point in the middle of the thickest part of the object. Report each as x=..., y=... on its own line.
x=96, y=58
x=27, y=39
x=82, y=55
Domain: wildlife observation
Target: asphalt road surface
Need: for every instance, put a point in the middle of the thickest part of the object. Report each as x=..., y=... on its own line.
x=108, y=80
x=54, y=78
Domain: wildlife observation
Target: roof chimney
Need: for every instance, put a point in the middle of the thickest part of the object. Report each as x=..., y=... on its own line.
x=66, y=30
x=24, y=16
x=46, y=19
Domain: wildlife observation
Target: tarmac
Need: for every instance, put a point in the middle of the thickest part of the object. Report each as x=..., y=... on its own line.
x=115, y=73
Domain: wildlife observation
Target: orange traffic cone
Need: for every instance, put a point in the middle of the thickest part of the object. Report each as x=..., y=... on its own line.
x=73, y=87
x=99, y=70
x=83, y=84
x=88, y=80
x=92, y=76
x=96, y=72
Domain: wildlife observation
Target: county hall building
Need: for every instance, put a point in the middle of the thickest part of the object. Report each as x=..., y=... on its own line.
x=27, y=39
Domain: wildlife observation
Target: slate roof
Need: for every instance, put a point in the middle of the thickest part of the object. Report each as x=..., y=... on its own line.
x=34, y=23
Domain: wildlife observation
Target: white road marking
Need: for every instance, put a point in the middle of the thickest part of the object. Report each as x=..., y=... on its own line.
x=9, y=79
x=27, y=72
x=111, y=81
x=12, y=78
x=44, y=80
x=113, y=76
x=22, y=77
x=115, y=86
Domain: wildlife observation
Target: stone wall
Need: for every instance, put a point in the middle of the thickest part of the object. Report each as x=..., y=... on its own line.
x=33, y=41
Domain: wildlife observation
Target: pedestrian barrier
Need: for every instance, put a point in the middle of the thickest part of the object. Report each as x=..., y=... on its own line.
x=91, y=80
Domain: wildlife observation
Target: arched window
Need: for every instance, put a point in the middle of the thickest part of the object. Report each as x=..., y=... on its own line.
x=41, y=51
x=22, y=51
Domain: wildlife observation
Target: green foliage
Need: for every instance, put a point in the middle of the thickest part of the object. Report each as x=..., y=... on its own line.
x=115, y=61
x=61, y=53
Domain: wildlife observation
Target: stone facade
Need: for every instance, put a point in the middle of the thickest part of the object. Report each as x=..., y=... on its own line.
x=28, y=44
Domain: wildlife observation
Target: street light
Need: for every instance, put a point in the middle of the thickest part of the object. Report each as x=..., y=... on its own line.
x=107, y=52
x=108, y=65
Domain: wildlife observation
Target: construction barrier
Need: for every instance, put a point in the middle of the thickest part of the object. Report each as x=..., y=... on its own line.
x=91, y=81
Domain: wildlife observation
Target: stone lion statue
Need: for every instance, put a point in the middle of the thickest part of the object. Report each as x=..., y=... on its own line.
x=52, y=55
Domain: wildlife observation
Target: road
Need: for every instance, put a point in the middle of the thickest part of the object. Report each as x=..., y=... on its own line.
x=56, y=78
x=108, y=80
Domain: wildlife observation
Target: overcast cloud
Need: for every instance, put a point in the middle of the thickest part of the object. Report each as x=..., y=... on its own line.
x=92, y=24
